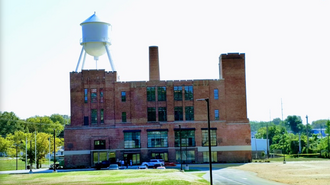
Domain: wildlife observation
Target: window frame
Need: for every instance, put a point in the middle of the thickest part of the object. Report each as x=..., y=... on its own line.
x=132, y=136
x=151, y=113
x=216, y=94
x=162, y=113
x=123, y=96
x=178, y=113
x=205, y=138
x=189, y=113
x=188, y=93
x=161, y=93
x=151, y=94
x=177, y=93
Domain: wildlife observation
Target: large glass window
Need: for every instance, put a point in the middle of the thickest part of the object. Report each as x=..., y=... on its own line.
x=213, y=156
x=134, y=158
x=94, y=95
x=188, y=156
x=189, y=113
x=123, y=96
x=86, y=95
x=161, y=93
x=216, y=94
x=151, y=93
x=177, y=93
x=132, y=139
x=188, y=93
x=162, y=114
x=205, y=139
x=151, y=114
x=157, y=139
x=94, y=116
x=99, y=144
x=187, y=138
x=101, y=116
x=159, y=155
x=101, y=96
x=178, y=114
x=216, y=114
x=123, y=117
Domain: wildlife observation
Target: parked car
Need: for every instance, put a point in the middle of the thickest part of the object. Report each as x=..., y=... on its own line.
x=143, y=167
x=113, y=167
x=154, y=163
x=103, y=164
x=170, y=164
x=161, y=168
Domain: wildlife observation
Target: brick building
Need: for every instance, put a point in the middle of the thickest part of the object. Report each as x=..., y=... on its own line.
x=140, y=120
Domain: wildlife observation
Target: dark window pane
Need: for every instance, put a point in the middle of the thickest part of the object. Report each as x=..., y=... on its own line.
x=102, y=116
x=162, y=114
x=177, y=93
x=86, y=95
x=101, y=96
x=187, y=138
x=161, y=93
x=151, y=93
x=157, y=139
x=178, y=114
x=132, y=140
x=94, y=116
x=189, y=113
x=188, y=93
x=86, y=120
x=123, y=116
x=151, y=114
x=94, y=95
x=99, y=144
x=216, y=114
x=123, y=96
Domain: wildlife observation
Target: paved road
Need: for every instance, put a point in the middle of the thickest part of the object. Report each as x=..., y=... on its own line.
x=229, y=176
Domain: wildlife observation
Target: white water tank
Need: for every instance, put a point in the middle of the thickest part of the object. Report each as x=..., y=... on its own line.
x=95, y=36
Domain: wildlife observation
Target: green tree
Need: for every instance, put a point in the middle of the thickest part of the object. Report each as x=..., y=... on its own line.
x=43, y=124
x=4, y=145
x=319, y=124
x=9, y=123
x=295, y=124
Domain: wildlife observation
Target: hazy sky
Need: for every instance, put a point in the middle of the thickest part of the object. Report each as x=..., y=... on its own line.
x=286, y=44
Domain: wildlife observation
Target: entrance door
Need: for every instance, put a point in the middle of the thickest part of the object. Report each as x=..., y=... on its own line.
x=135, y=158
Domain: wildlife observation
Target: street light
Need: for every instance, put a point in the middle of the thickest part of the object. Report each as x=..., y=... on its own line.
x=209, y=135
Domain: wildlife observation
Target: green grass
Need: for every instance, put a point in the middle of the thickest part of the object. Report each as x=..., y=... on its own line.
x=290, y=158
x=154, y=177
x=8, y=164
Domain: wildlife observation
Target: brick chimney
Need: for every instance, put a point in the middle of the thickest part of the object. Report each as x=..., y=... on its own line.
x=153, y=63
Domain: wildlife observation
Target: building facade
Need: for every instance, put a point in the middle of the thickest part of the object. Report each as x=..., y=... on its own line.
x=141, y=120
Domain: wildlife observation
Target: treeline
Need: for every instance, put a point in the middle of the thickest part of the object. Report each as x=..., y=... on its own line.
x=286, y=135
x=33, y=137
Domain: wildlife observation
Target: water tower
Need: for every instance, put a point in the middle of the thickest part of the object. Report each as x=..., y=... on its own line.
x=95, y=40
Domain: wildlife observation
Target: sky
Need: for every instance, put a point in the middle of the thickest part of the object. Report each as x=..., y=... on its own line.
x=286, y=46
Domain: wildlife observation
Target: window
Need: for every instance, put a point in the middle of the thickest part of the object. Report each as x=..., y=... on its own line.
x=86, y=120
x=189, y=113
x=135, y=157
x=188, y=93
x=151, y=93
x=151, y=114
x=86, y=95
x=187, y=138
x=123, y=96
x=99, y=144
x=161, y=93
x=188, y=156
x=102, y=116
x=94, y=116
x=216, y=94
x=177, y=93
x=157, y=139
x=94, y=95
x=213, y=156
x=178, y=114
x=213, y=134
x=101, y=96
x=159, y=155
x=162, y=115
x=132, y=139
x=123, y=117
x=216, y=114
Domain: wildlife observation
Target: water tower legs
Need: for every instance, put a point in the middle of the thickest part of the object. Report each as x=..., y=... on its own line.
x=109, y=57
x=82, y=50
x=83, y=64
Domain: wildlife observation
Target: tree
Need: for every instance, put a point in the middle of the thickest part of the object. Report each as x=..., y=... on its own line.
x=277, y=121
x=295, y=124
x=9, y=123
x=43, y=124
x=319, y=124
x=4, y=145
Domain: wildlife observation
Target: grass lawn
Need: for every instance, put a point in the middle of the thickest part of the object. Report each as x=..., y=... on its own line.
x=8, y=164
x=291, y=158
x=154, y=177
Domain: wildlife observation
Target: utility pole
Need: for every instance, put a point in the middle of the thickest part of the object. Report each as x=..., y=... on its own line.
x=307, y=133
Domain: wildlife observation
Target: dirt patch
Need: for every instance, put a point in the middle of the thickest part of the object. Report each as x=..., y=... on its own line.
x=303, y=172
